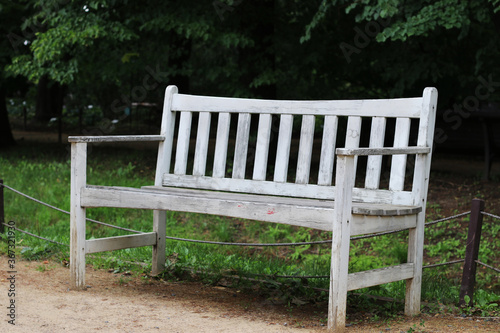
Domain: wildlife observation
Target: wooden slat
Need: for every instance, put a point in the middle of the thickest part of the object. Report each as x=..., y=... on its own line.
x=283, y=150
x=305, y=150
x=404, y=107
x=221, y=145
x=353, y=135
x=116, y=138
x=327, y=150
x=374, y=165
x=316, y=214
x=379, y=276
x=167, y=129
x=282, y=189
x=120, y=242
x=181, y=155
x=241, y=146
x=262, y=147
x=383, y=151
x=365, y=224
x=398, y=163
x=236, y=205
x=200, y=155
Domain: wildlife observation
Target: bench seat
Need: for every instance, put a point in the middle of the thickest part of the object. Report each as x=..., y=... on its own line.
x=311, y=213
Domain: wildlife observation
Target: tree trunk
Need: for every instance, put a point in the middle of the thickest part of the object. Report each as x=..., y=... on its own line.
x=6, y=138
x=49, y=100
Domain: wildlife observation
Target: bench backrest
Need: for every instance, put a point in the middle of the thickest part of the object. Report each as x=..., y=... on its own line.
x=229, y=144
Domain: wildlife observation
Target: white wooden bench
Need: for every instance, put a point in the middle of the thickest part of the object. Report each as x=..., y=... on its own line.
x=204, y=181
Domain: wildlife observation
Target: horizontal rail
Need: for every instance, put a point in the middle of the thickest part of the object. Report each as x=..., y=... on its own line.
x=402, y=107
x=116, y=138
x=120, y=242
x=382, y=151
x=380, y=276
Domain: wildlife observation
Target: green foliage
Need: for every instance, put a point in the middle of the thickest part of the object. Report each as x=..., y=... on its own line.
x=485, y=304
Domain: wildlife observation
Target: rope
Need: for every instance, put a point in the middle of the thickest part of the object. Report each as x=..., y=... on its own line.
x=248, y=244
x=488, y=266
x=292, y=276
x=114, y=226
x=377, y=234
x=66, y=212
x=33, y=235
x=491, y=215
x=448, y=218
x=444, y=263
x=35, y=200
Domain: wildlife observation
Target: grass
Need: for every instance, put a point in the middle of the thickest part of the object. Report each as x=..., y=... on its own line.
x=43, y=171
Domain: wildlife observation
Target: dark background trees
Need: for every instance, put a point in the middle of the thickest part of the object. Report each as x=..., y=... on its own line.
x=60, y=56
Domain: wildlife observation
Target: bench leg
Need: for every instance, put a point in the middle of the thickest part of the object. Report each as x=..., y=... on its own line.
x=159, y=226
x=341, y=237
x=77, y=216
x=77, y=248
x=337, y=304
x=415, y=255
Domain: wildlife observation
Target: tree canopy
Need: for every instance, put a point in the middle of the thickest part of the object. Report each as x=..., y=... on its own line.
x=113, y=53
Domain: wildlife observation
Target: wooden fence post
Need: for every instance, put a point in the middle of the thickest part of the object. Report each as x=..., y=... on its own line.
x=471, y=252
x=2, y=212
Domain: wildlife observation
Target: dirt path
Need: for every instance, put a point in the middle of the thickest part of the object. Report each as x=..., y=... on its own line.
x=117, y=303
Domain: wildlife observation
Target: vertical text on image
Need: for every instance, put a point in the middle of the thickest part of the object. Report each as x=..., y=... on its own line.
x=11, y=262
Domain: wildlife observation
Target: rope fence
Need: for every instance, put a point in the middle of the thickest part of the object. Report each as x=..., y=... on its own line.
x=253, y=244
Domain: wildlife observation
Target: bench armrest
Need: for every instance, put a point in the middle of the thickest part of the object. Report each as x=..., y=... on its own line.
x=116, y=138
x=382, y=151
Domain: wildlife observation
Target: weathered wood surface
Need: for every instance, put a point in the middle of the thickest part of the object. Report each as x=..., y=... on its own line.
x=379, y=276
x=402, y=107
x=120, y=242
x=116, y=138
x=383, y=151
x=77, y=215
x=316, y=214
x=162, y=166
x=262, y=147
x=283, y=189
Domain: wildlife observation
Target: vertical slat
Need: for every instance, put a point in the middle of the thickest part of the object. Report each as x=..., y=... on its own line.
x=262, y=147
x=398, y=164
x=200, y=154
x=241, y=146
x=162, y=167
x=374, y=164
x=77, y=215
x=221, y=142
x=353, y=135
x=181, y=155
x=327, y=150
x=283, y=150
x=305, y=150
x=167, y=129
